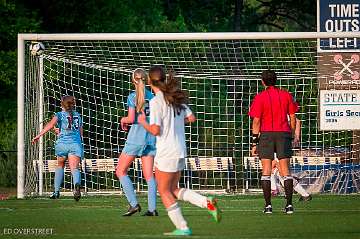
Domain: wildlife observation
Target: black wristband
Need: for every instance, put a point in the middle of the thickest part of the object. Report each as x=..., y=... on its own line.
x=254, y=139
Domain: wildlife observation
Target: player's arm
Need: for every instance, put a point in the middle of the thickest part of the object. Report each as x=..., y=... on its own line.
x=129, y=119
x=298, y=127
x=292, y=123
x=190, y=119
x=151, y=128
x=155, y=119
x=293, y=108
x=189, y=115
x=256, y=126
x=47, y=127
x=255, y=113
x=255, y=135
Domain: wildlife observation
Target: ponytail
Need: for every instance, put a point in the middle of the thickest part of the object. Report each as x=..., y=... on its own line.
x=170, y=87
x=139, y=75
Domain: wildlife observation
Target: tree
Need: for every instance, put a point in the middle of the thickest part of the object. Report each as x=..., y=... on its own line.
x=244, y=15
x=284, y=15
x=13, y=19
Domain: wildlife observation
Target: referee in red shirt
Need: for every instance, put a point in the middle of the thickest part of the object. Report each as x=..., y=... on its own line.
x=271, y=110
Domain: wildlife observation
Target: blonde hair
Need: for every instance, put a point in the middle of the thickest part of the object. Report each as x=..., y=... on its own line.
x=68, y=104
x=139, y=88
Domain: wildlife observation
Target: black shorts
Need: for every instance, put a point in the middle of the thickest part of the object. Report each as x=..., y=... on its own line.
x=275, y=142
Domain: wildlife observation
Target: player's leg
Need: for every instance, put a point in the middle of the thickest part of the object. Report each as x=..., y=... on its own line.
x=274, y=188
x=304, y=195
x=266, y=150
x=147, y=167
x=59, y=177
x=266, y=183
x=273, y=179
x=188, y=195
x=74, y=163
x=196, y=199
x=61, y=152
x=124, y=163
x=284, y=153
x=288, y=183
x=165, y=181
x=76, y=152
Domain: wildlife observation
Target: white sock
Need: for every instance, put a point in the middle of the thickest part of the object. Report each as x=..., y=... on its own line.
x=299, y=189
x=175, y=215
x=273, y=182
x=192, y=197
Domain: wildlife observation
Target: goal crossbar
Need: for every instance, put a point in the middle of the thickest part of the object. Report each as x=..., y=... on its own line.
x=188, y=36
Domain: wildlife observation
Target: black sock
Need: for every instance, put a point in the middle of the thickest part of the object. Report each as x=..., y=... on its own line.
x=289, y=189
x=266, y=186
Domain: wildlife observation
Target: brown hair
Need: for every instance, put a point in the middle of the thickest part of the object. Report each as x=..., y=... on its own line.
x=170, y=87
x=68, y=104
x=139, y=88
x=269, y=77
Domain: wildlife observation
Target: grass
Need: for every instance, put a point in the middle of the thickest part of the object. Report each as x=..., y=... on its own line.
x=326, y=216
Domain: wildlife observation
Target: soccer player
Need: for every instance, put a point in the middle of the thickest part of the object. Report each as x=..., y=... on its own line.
x=270, y=110
x=277, y=181
x=138, y=143
x=68, y=145
x=168, y=114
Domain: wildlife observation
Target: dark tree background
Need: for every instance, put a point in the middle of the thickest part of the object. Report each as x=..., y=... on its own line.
x=54, y=16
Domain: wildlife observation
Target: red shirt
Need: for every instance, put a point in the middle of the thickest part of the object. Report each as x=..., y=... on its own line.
x=273, y=106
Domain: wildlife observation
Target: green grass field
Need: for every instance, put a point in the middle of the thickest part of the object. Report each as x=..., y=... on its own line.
x=326, y=216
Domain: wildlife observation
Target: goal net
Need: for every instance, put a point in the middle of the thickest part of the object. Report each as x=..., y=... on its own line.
x=222, y=76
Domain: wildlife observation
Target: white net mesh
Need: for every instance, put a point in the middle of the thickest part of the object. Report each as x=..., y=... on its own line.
x=221, y=76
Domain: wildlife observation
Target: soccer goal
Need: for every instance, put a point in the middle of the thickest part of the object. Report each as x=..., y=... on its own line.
x=220, y=71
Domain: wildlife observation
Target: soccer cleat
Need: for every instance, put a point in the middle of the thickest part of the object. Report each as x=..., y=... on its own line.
x=305, y=199
x=179, y=232
x=132, y=210
x=213, y=209
x=77, y=193
x=55, y=195
x=289, y=209
x=268, y=209
x=151, y=214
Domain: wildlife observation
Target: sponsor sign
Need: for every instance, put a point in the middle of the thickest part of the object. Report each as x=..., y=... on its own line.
x=339, y=110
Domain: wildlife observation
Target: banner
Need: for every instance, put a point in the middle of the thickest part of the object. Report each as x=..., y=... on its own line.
x=338, y=16
x=339, y=109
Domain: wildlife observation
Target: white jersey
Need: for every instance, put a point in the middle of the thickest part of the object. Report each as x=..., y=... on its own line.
x=170, y=143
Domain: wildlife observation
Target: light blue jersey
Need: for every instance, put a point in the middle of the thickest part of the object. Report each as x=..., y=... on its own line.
x=137, y=134
x=69, y=129
x=69, y=140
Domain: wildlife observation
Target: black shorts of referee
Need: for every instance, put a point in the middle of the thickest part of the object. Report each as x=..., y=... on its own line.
x=275, y=142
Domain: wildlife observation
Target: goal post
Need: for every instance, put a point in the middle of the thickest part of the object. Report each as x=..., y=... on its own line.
x=219, y=70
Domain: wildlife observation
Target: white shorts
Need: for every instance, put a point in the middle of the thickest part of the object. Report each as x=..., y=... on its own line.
x=169, y=165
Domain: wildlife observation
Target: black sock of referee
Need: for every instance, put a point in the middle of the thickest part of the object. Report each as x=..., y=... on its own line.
x=289, y=189
x=266, y=186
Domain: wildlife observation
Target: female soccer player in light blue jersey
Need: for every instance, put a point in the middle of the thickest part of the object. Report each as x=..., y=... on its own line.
x=68, y=145
x=139, y=143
